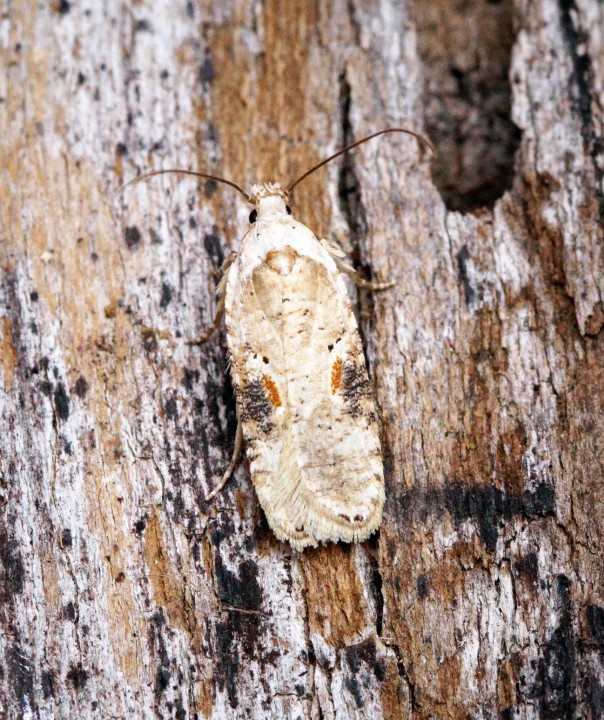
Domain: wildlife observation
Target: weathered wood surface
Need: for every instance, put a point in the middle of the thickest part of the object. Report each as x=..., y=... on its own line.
x=123, y=594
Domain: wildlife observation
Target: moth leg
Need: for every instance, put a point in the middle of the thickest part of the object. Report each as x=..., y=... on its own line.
x=232, y=465
x=338, y=255
x=220, y=293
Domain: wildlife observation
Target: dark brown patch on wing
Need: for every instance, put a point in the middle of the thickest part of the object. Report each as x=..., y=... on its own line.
x=271, y=389
x=357, y=518
x=355, y=385
x=336, y=375
x=255, y=405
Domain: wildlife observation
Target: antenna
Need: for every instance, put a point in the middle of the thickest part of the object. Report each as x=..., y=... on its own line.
x=420, y=138
x=189, y=172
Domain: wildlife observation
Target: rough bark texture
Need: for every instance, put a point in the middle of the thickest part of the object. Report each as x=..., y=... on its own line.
x=124, y=594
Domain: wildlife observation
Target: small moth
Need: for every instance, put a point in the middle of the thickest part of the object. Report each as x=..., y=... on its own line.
x=305, y=406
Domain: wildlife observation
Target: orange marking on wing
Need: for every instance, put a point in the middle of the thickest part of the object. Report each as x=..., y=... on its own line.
x=336, y=375
x=271, y=389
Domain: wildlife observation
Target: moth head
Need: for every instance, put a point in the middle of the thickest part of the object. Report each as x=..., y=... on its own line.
x=270, y=201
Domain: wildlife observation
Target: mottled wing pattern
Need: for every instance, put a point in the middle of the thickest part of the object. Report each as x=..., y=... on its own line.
x=303, y=393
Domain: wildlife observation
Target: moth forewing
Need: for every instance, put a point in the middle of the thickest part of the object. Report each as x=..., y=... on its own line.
x=303, y=394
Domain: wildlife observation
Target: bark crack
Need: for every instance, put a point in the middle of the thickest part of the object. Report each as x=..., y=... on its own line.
x=349, y=192
x=581, y=94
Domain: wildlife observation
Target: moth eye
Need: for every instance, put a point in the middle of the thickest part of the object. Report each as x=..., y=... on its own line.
x=253, y=216
x=288, y=210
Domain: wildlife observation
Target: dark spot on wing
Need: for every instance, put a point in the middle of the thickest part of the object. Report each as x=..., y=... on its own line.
x=256, y=405
x=355, y=385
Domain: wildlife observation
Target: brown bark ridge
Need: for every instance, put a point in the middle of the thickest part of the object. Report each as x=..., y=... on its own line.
x=125, y=595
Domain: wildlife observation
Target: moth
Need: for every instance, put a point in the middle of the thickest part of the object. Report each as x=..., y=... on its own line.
x=305, y=407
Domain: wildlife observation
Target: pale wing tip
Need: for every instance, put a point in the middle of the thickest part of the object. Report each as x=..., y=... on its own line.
x=319, y=529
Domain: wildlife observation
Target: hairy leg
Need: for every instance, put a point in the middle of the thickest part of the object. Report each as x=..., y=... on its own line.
x=232, y=465
x=220, y=292
x=339, y=258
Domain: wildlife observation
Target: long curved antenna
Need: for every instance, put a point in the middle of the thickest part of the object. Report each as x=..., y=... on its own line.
x=420, y=138
x=189, y=172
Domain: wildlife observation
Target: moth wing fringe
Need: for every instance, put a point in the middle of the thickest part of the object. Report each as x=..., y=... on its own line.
x=302, y=509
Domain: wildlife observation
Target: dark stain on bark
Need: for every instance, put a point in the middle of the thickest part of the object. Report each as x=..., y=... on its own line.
x=207, y=426
x=47, y=683
x=149, y=338
x=462, y=268
x=222, y=528
x=171, y=408
x=142, y=26
x=189, y=378
x=81, y=387
x=354, y=688
x=162, y=680
x=213, y=246
x=236, y=639
x=595, y=697
x=21, y=674
x=77, y=676
x=237, y=636
x=61, y=401
x=157, y=642
x=207, y=73
x=357, y=656
x=69, y=612
x=557, y=665
x=240, y=591
x=595, y=623
x=139, y=526
x=132, y=237
x=167, y=293
x=487, y=506
x=366, y=652
x=62, y=7
x=581, y=95
x=528, y=566
x=12, y=564
x=423, y=586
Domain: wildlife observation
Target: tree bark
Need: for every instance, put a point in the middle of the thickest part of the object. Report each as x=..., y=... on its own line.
x=123, y=593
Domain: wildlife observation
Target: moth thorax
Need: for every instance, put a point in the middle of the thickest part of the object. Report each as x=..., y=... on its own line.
x=270, y=205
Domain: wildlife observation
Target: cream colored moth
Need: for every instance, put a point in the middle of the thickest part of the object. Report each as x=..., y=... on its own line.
x=305, y=406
